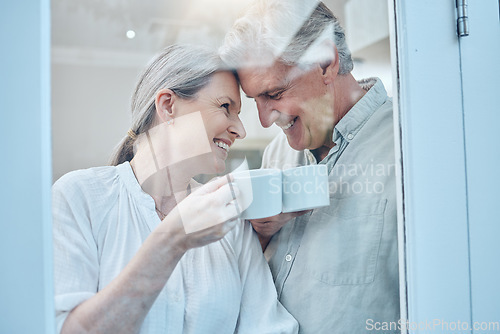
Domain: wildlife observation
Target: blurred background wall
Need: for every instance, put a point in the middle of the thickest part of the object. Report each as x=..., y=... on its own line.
x=95, y=65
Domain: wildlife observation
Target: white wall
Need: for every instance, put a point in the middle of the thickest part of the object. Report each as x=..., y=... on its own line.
x=90, y=114
x=367, y=34
x=376, y=62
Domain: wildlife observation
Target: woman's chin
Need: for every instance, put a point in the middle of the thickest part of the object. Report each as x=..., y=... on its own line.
x=220, y=166
x=219, y=163
x=215, y=166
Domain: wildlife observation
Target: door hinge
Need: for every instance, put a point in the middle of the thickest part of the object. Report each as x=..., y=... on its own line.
x=462, y=18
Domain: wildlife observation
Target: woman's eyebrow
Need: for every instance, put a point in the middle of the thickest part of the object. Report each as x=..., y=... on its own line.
x=231, y=101
x=220, y=98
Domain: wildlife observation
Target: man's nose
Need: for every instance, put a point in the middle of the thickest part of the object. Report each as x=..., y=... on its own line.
x=267, y=114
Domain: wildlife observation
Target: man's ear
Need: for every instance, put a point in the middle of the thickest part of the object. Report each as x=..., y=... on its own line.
x=164, y=101
x=330, y=66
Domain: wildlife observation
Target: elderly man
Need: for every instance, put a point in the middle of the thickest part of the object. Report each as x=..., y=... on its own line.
x=335, y=268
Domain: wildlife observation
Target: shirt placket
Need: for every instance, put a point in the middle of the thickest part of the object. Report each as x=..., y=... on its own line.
x=293, y=246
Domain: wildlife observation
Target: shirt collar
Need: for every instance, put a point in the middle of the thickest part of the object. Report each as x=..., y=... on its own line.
x=349, y=126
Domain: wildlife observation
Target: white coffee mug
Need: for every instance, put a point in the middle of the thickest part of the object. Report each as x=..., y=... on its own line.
x=305, y=188
x=261, y=192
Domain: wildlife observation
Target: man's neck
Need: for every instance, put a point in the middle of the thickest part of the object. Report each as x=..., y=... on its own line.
x=321, y=152
x=347, y=92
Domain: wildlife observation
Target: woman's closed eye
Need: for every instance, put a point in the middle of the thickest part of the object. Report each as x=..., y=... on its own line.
x=225, y=106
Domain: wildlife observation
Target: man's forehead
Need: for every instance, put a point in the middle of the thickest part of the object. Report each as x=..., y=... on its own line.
x=260, y=80
x=260, y=72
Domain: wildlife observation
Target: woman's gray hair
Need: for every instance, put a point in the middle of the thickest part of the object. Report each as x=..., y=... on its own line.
x=185, y=69
x=292, y=32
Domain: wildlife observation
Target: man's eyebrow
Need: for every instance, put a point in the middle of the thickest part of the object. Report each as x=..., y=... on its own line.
x=267, y=92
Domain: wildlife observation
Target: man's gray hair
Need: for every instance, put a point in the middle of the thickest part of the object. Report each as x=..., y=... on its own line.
x=293, y=32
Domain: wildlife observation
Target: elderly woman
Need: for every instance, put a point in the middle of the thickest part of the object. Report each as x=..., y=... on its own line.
x=137, y=247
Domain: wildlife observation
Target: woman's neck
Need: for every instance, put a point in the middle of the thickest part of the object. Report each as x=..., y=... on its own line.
x=167, y=186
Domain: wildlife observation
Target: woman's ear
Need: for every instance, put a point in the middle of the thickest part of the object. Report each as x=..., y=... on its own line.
x=164, y=104
x=330, y=66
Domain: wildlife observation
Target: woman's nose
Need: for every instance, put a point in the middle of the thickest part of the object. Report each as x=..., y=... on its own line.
x=237, y=129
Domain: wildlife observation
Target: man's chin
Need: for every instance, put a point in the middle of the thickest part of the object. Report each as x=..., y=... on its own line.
x=295, y=144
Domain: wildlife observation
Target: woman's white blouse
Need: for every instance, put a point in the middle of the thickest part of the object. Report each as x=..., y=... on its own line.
x=101, y=217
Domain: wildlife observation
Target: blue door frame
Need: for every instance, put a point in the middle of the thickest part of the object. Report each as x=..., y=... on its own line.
x=26, y=280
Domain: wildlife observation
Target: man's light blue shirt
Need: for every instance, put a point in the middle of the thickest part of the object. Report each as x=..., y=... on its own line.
x=336, y=268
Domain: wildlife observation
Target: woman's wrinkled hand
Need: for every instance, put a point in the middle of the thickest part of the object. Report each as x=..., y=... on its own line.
x=205, y=216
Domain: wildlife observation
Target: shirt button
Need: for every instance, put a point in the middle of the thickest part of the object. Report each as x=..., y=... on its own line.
x=310, y=157
x=350, y=136
x=288, y=258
